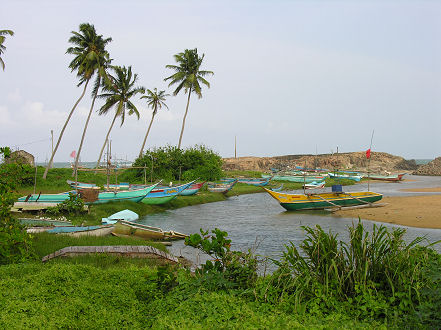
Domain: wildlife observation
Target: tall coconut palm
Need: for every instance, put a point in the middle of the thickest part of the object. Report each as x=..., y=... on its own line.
x=188, y=76
x=3, y=34
x=155, y=101
x=118, y=90
x=89, y=51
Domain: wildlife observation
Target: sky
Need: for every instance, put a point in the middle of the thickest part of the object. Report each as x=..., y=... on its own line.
x=290, y=77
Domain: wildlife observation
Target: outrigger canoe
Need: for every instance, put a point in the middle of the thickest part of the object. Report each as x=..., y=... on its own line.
x=396, y=177
x=123, y=227
x=345, y=176
x=220, y=187
x=164, y=194
x=251, y=181
x=101, y=197
x=192, y=190
x=296, y=178
x=294, y=202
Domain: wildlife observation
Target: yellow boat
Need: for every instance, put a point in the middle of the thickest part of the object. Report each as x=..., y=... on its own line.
x=323, y=200
x=146, y=232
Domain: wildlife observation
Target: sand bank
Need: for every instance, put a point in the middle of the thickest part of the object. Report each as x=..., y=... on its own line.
x=412, y=211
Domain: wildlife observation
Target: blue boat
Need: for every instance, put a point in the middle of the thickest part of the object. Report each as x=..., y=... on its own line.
x=164, y=194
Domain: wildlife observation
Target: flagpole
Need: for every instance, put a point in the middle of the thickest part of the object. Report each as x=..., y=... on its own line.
x=369, y=161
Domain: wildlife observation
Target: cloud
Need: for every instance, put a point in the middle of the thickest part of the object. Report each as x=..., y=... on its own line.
x=35, y=114
x=15, y=96
x=5, y=117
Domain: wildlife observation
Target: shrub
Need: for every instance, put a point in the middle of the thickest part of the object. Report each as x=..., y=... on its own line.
x=171, y=163
x=377, y=274
x=72, y=206
x=230, y=269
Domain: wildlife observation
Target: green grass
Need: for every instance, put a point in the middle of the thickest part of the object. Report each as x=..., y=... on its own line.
x=45, y=243
x=58, y=295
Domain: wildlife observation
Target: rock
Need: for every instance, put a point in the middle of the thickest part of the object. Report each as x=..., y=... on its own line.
x=380, y=162
x=432, y=168
x=21, y=157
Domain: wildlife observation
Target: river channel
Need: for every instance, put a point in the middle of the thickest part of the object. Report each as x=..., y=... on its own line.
x=257, y=221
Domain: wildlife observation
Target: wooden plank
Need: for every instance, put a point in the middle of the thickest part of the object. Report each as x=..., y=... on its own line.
x=141, y=251
x=356, y=207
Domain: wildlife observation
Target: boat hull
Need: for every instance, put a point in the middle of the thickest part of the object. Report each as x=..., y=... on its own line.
x=298, y=179
x=158, y=200
x=295, y=202
x=145, y=232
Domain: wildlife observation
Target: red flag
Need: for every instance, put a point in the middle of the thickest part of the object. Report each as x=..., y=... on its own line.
x=73, y=154
x=368, y=153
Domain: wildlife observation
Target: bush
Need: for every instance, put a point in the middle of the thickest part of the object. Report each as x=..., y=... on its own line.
x=16, y=174
x=230, y=269
x=15, y=245
x=72, y=206
x=375, y=275
x=171, y=163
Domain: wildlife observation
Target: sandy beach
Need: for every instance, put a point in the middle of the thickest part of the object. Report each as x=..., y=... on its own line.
x=413, y=211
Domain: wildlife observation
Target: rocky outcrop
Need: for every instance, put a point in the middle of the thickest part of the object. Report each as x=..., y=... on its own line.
x=21, y=157
x=380, y=162
x=432, y=168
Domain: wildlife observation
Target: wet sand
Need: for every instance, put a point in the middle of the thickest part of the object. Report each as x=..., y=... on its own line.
x=432, y=189
x=413, y=211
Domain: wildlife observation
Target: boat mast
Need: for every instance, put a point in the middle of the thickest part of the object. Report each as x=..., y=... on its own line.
x=369, y=160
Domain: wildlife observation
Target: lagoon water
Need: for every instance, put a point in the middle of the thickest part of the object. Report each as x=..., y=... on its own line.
x=257, y=221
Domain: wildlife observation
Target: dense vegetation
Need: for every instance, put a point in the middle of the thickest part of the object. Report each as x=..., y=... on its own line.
x=171, y=163
x=373, y=280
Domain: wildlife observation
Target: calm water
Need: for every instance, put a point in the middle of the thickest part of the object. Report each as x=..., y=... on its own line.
x=258, y=221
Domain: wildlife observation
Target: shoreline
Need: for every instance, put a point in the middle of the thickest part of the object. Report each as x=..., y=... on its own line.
x=411, y=211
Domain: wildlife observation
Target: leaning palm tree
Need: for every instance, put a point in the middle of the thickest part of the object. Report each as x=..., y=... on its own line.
x=88, y=51
x=3, y=34
x=155, y=100
x=188, y=76
x=118, y=90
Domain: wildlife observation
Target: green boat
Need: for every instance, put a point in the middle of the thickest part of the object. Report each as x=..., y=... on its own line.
x=294, y=202
x=296, y=178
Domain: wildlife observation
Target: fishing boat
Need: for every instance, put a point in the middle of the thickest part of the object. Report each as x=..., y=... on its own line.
x=126, y=215
x=78, y=231
x=294, y=202
x=164, y=194
x=221, y=187
x=393, y=177
x=315, y=185
x=250, y=181
x=146, y=232
x=92, y=196
x=345, y=176
x=119, y=186
x=192, y=190
x=35, y=222
x=296, y=178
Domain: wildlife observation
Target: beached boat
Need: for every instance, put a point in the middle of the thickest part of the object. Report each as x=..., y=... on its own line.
x=393, y=177
x=164, y=194
x=315, y=185
x=221, y=187
x=92, y=196
x=323, y=200
x=345, y=176
x=82, y=230
x=119, y=186
x=296, y=178
x=250, y=181
x=192, y=190
x=34, y=222
x=146, y=232
x=126, y=215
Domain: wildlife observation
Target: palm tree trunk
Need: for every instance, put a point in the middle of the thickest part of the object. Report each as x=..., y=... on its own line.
x=183, y=121
x=147, y=134
x=107, y=136
x=82, y=137
x=49, y=165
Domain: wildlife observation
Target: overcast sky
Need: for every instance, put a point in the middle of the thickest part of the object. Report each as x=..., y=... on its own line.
x=290, y=77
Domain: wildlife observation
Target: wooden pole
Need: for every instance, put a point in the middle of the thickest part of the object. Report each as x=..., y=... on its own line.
x=151, y=173
x=145, y=175
x=235, y=145
x=35, y=179
x=107, y=167
x=52, y=139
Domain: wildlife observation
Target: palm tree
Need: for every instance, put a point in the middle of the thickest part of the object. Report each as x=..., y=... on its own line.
x=119, y=89
x=155, y=101
x=89, y=53
x=3, y=34
x=188, y=76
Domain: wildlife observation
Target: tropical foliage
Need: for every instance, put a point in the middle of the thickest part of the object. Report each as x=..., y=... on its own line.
x=118, y=89
x=172, y=163
x=89, y=57
x=189, y=77
x=3, y=34
x=155, y=101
